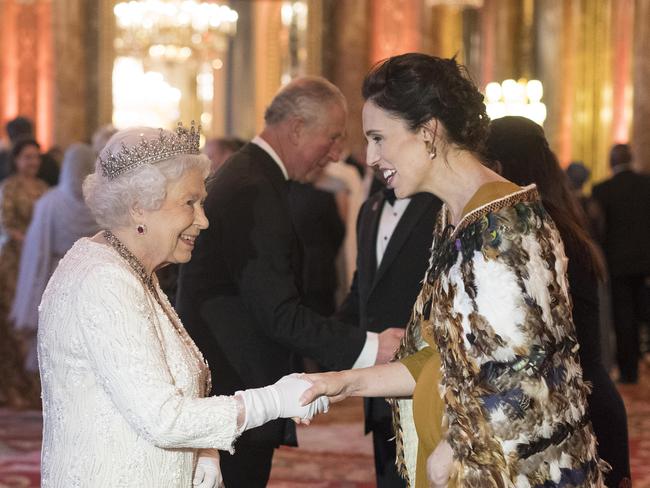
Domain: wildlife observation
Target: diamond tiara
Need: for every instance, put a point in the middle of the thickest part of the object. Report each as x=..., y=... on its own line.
x=150, y=151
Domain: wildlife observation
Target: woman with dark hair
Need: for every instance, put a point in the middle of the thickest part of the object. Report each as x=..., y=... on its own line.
x=18, y=193
x=491, y=331
x=524, y=157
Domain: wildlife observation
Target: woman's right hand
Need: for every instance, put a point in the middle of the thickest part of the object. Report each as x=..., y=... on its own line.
x=334, y=385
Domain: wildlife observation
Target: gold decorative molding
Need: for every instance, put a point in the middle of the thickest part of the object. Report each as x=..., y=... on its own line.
x=26, y=64
x=346, y=60
x=622, y=42
x=70, y=74
x=567, y=56
x=396, y=27
x=267, y=68
x=641, y=118
x=105, y=52
x=445, y=36
x=592, y=110
x=315, y=37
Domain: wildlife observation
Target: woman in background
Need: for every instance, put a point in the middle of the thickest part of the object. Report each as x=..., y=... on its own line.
x=524, y=157
x=18, y=193
x=60, y=218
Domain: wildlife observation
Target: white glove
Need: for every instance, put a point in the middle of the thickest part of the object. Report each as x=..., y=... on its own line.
x=208, y=472
x=281, y=400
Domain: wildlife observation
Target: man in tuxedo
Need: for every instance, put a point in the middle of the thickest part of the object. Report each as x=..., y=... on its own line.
x=239, y=297
x=625, y=203
x=394, y=238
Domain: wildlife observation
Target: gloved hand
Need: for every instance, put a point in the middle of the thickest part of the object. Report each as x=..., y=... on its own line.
x=208, y=472
x=280, y=400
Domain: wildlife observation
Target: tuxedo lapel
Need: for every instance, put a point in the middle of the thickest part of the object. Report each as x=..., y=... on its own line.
x=368, y=228
x=419, y=204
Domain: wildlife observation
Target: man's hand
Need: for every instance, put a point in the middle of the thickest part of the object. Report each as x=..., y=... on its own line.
x=388, y=343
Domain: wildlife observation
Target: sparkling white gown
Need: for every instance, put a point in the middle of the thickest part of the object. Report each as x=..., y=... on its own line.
x=122, y=388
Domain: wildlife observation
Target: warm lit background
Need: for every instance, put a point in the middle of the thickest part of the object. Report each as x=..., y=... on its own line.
x=73, y=65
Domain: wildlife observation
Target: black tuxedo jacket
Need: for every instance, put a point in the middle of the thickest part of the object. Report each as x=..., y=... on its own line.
x=239, y=296
x=319, y=227
x=383, y=297
x=625, y=202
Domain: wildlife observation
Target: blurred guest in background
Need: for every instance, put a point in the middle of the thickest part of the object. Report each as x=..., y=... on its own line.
x=578, y=175
x=16, y=129
x=221, y=148
x=60, y=218
x=18, y=193
x=345, y=182
x=524, y=155
x=23, y=128
x=625, y=202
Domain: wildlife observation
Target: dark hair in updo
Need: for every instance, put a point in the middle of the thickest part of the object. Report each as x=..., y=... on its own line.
x=417, y=87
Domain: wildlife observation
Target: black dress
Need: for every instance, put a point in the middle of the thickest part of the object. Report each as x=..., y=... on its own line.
x=606, y=406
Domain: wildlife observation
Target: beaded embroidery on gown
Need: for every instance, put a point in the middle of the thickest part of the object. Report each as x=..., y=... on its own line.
x=122, y=385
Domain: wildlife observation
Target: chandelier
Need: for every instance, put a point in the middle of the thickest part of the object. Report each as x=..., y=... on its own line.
x=173, y=29
x=523, y=98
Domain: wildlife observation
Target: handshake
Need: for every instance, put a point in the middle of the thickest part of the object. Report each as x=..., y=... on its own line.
x=280, y=400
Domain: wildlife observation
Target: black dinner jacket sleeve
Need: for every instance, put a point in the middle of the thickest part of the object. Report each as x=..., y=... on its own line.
x=348, y=311
x=250, y=218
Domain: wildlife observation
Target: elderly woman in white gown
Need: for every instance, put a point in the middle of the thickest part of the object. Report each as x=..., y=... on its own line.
x=123, y=384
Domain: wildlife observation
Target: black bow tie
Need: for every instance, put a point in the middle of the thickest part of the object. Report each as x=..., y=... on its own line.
x=389, y=195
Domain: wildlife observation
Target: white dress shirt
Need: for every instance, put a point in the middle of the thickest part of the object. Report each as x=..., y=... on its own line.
x=258, y=141
x=390, y=217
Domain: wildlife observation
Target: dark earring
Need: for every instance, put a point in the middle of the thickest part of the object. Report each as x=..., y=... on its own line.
x=142, y=229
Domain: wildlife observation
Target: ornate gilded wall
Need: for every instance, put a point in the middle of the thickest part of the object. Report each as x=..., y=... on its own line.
x=56, y=65
x=58, y=54
x=26, y=64
x=641, y=60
